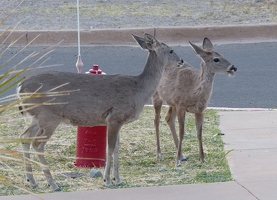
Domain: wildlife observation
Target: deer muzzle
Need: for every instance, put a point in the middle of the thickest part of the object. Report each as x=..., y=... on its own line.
x=231, y=70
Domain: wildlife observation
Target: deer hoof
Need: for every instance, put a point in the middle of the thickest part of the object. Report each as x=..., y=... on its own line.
x=120, y=183
x=179, y=163
x=58, y=190
x=159, y=156
x=184, y=158
x=108, y=184
x=202, y=160
x=55, y=188
x=33, y=184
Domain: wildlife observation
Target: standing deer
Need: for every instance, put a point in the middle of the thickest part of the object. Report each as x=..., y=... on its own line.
x=111, y=100
x=186, y=89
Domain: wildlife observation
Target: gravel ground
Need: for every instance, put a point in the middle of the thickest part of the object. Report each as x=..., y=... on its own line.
x=99, y=14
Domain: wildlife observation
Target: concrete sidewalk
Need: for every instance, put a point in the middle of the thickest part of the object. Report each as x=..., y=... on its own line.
x=253, y=162
x=251, y=137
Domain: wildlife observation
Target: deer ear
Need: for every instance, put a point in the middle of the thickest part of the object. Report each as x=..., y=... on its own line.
x=197, y=49
x=151, y=42
x=207, y=44
x=140, y=41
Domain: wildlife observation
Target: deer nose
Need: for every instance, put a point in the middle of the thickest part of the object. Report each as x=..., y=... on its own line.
x=182, y=61
x=233, y=68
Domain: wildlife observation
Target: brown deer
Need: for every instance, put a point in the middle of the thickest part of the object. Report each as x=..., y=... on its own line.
x=186, y=89
x=111, y=100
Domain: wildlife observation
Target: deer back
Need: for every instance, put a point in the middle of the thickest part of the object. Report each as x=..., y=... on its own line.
x=96, y=98
x=89, y=97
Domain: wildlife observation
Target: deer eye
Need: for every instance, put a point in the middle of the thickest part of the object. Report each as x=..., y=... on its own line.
x=216, y=60
x=171, y=51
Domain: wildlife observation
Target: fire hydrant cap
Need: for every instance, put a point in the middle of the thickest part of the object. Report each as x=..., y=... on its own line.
x=95, y=67
x=95, y=70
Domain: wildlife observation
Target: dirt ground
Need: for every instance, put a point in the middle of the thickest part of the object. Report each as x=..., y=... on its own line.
x=99, y=14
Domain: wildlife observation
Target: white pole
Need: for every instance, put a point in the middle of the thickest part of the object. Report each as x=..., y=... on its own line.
x=78, y=26
x=79, y=63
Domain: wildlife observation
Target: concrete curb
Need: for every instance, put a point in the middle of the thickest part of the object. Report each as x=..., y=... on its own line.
x=172, y=35
x=241, y=109
x=232, y=109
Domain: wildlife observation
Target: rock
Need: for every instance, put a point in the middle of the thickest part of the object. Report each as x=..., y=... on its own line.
x=94, y=173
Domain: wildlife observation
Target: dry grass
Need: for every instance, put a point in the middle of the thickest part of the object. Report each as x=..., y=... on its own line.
x=138, y=164
x=98, y=14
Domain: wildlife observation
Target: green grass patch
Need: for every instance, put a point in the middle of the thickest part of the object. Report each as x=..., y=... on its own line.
x=138, y=163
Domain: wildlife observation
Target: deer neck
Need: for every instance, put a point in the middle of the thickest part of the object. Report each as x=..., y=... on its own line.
x=151, y=75
x=206, y=75
x=206, y=79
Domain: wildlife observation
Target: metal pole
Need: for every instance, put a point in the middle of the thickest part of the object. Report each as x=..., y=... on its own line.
x=79, y=63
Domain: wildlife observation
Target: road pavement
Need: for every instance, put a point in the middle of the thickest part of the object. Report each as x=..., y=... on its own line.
x=254, y=85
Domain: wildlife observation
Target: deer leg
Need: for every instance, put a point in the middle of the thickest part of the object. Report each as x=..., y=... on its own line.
x=115, y=163
x=181, y=120
x=199, y=118
x=29, y=133
x=170, y=119
x=157, y=106
x=39, y=144
x=28, y=165
x=39, y=147
x=113, y=132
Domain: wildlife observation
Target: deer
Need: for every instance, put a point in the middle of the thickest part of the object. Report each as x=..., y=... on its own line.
x=113, y=101
x=186, y=89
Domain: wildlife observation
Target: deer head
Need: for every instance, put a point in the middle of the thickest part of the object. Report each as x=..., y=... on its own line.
x=216, y=62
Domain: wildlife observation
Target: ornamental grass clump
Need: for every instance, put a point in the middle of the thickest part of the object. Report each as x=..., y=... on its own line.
x=11, y=158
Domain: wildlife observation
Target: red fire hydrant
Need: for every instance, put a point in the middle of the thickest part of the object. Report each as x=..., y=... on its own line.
x=91, y=141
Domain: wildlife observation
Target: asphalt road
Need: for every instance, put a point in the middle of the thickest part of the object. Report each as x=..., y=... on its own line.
x=254, y=85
